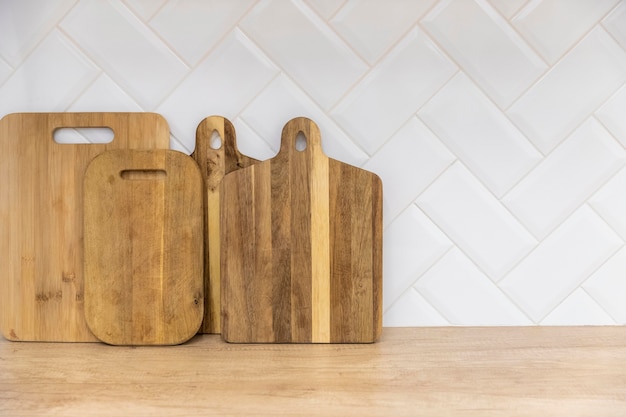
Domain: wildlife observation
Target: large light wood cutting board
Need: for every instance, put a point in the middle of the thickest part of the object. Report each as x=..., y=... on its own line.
x=144, y=256
x=41, y=221
x=215, y=162
x=301, y=247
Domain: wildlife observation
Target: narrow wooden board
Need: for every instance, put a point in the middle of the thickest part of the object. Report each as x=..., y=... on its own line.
x=301, y=248
x=143, y=247
x=41, y=221
x=214, y=164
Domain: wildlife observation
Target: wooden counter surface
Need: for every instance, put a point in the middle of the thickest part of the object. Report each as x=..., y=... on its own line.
x=523, y=371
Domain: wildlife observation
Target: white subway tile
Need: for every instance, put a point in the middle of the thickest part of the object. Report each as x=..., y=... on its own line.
x=610, y=202
x=280, y=102
x=465, y=296
x=372, y=27
x=578, y=310
x=305, y=48
x=104, y=95
x=566, y=178
x=571, y=90
x=508, y=7
x=486, y=47
x=23, y=24
x=221, y=84
x=411, y=310
x=52, y=76
x=412, y=243
x=608, y=287
x=126, y=49
x=192, y=28
x=394, y=90
x=480, y=135
x=476, y=221
x=615, y=23
x=407, y=164
x=554, y=26
x=611, y=114
x=561, y=263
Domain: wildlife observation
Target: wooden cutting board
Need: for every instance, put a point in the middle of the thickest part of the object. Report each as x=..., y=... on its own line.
x=41, y=222
x=144, y=254
x=301, y=247
x=215, y=162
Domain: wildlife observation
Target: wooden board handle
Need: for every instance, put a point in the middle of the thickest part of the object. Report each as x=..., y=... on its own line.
x=117, y=122
x=310, y=132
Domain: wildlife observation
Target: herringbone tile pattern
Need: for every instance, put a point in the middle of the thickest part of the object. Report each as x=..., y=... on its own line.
x=497, y=126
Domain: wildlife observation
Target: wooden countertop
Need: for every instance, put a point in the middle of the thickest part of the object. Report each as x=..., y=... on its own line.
x=521, y=371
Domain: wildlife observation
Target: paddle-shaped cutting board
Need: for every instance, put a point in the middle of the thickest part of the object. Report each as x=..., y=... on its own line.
x=41, y=221
x=144, y=247
x=215, y=161
x=301, y=247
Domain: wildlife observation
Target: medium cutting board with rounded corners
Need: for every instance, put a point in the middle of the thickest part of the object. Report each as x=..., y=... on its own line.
x=144, y=247
x=41, y=222
x=301, y=247
x=215, y=159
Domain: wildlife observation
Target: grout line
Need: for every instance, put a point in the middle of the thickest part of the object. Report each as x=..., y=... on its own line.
x=13, y=70
x=180, y=142
x=157, y=11
x=600, y=305
x=514, y=13
x=329, y=25
x=516, y=304
x=336, y=12
x=426, y=300
x=242, y=120
x=604, y=126
x=604, y=219
x=146, y=24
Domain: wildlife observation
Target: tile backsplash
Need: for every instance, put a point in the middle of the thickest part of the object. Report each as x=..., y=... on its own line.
x=498, y=127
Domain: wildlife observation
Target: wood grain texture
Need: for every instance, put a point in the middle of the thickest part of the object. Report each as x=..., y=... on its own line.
x=41, y=222
x=301, y=247
x=452, y=372
x=144, y=247
x=214, y=164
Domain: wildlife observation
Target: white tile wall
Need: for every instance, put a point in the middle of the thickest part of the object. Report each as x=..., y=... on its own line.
x=497, y=126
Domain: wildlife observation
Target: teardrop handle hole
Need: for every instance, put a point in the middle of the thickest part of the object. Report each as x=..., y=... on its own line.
x=71, y=135
x=301, y=142
x=216, y=140
x=143, y=174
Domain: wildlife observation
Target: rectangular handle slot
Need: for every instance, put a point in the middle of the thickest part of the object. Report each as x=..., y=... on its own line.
x=70, y=135
x=143, y=174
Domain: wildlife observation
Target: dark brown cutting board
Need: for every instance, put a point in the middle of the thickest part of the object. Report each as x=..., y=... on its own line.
x=301, y=248
x=144, y=255
x=215, y=162
x=41, y=222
